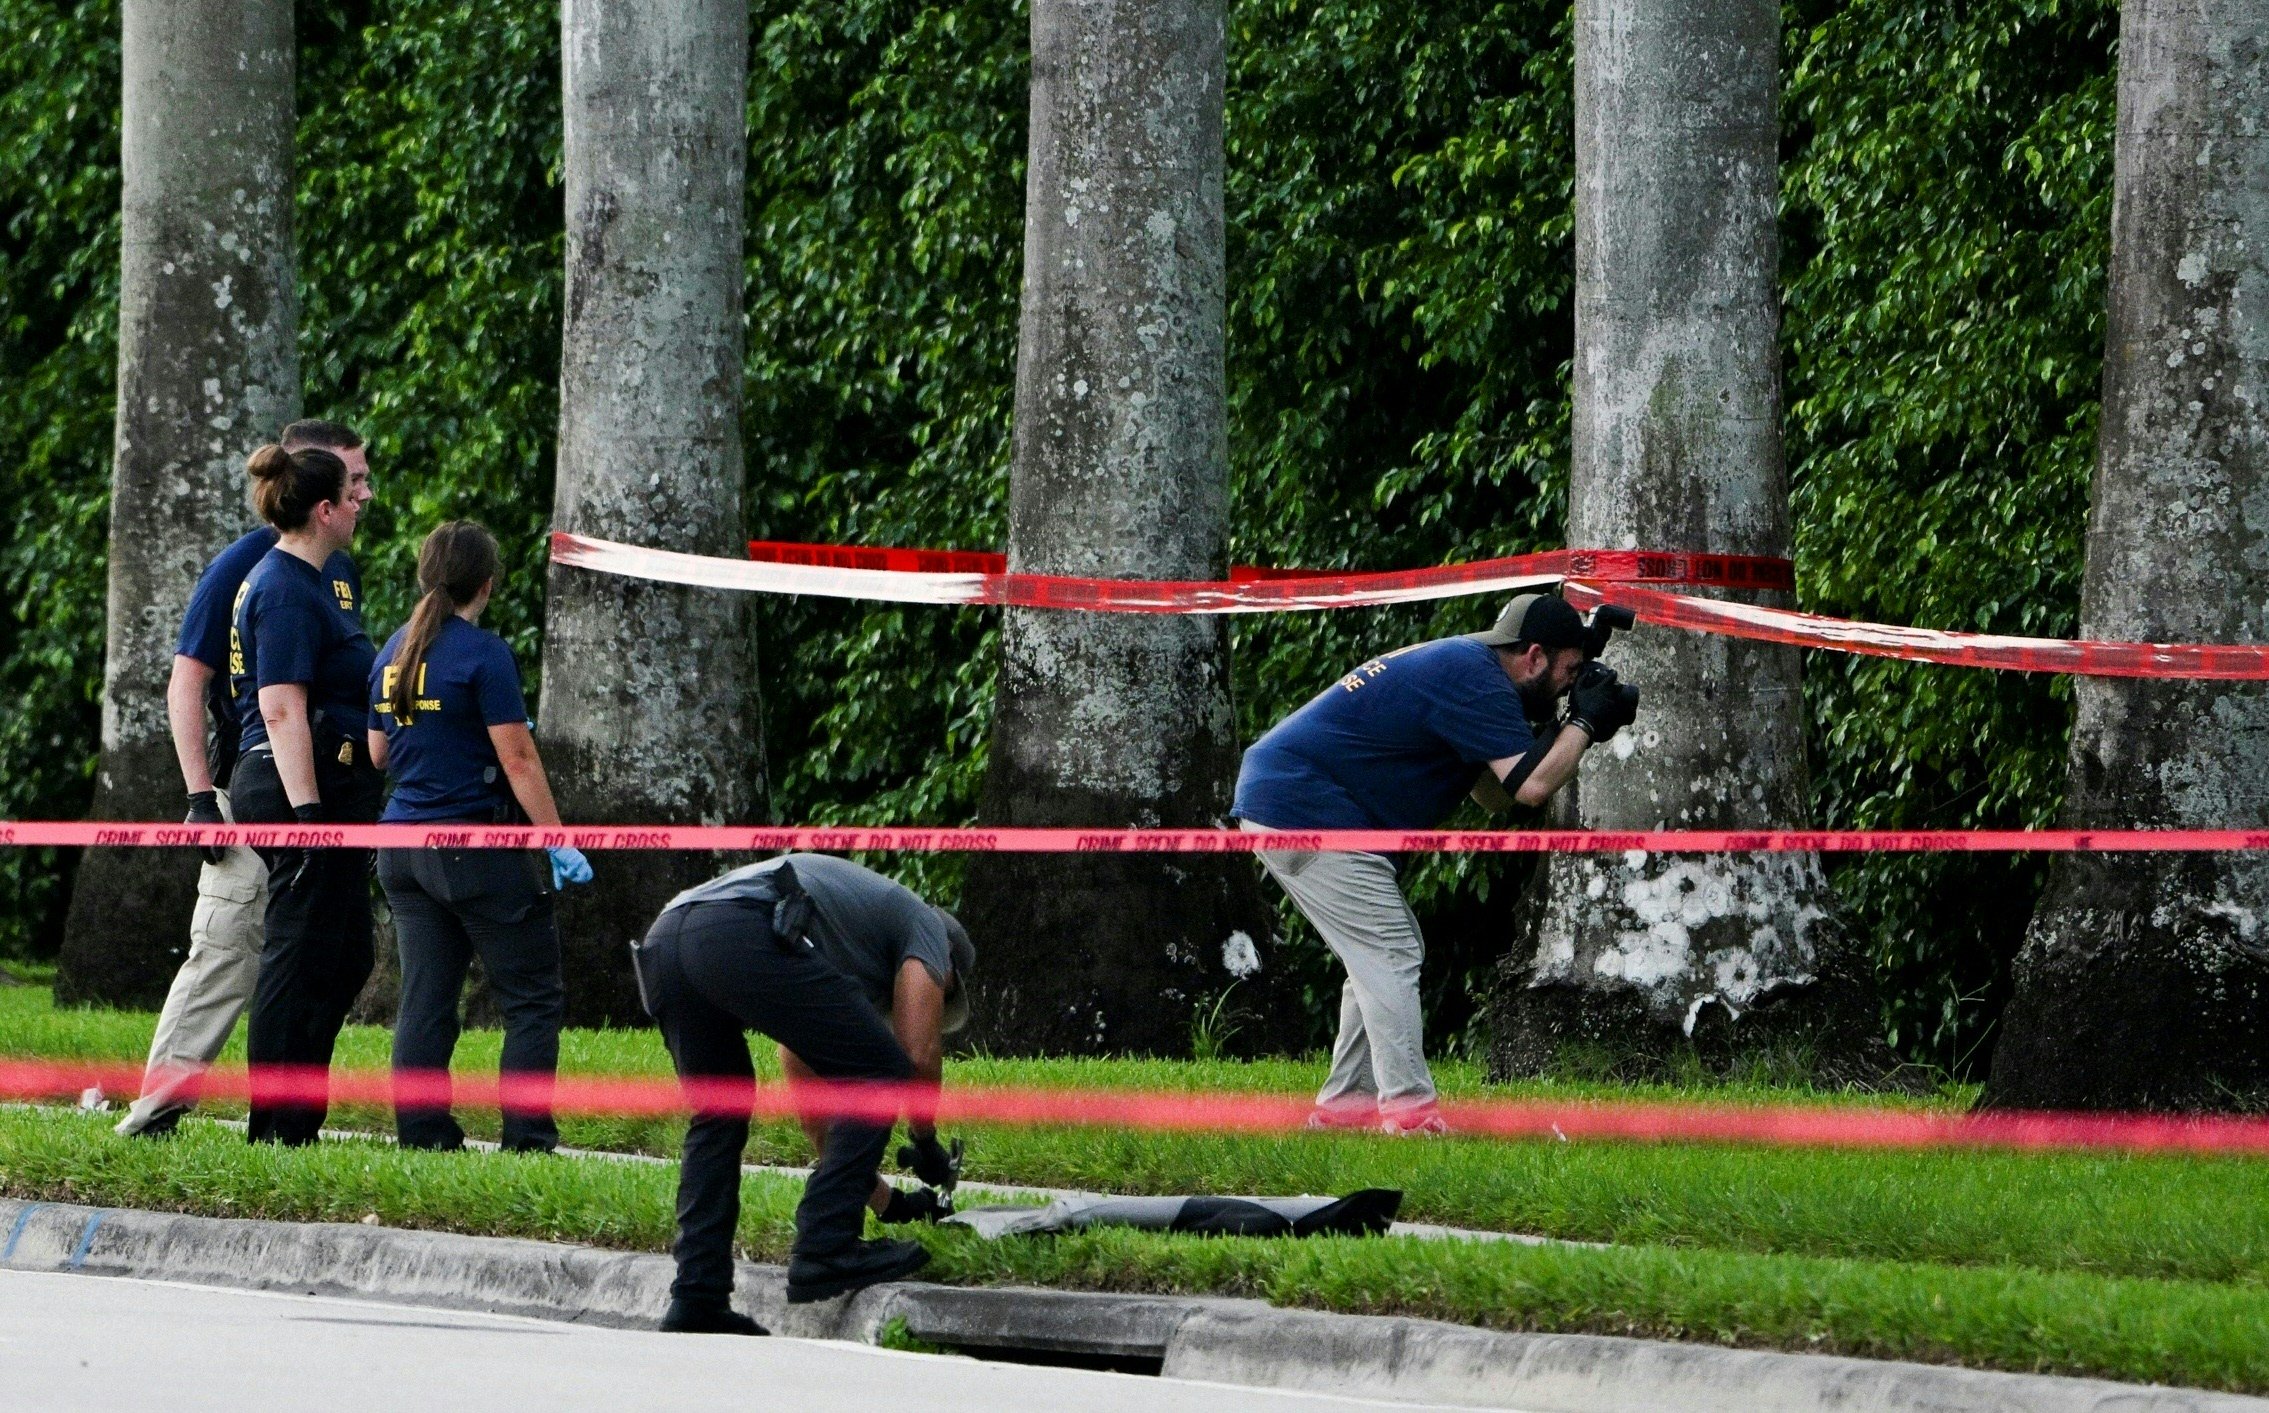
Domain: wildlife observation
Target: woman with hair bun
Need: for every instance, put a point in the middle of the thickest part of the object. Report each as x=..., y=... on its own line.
x=298, y=659
x=448, y=723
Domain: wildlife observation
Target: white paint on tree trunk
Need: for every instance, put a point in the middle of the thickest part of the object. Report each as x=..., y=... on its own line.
x=1677, y=445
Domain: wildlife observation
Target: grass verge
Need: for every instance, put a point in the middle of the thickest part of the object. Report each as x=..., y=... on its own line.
x=2183, y=1332
x=2163, y=1217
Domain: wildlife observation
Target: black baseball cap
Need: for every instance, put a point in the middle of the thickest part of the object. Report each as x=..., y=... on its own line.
x=1546, y=620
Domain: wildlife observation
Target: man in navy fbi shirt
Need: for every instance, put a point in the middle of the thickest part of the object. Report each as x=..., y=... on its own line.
x=216, y=978
x=1396, y=744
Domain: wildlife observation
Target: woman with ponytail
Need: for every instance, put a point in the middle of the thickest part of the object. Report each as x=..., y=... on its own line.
x=298, y=659
x=450, y=726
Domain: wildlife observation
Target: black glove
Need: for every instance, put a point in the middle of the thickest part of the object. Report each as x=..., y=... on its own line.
x=920, y=1205
x=291, y=866
x=1600, y=704
x=927, y=1159
x=205, y=808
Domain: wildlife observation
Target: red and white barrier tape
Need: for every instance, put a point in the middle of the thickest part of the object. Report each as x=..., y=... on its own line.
x=1736, y=571
x=2230, y=662
x=871, y=577
x=901, y=839
x=1588, y=578
x=1164, y=1111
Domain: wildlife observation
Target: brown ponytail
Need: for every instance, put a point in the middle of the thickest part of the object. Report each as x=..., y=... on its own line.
x=453, y=563
x=288, y=485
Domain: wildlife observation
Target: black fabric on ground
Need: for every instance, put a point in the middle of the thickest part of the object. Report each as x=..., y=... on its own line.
x=1368, y=1212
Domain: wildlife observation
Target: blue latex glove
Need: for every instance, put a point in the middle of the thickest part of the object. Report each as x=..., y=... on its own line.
x=568, y=866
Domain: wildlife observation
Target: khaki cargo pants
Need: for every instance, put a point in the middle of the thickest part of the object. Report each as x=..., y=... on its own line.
x=214, y=984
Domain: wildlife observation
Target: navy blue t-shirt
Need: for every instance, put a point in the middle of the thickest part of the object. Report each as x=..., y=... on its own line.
x=442, y=762
x=1392, y=745
x=212, y=604
x=296, y=624
x=205, y=628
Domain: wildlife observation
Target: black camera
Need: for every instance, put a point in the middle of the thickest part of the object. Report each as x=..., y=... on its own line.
x=1624, y=695
x=1605, y=619
x=1604, y=704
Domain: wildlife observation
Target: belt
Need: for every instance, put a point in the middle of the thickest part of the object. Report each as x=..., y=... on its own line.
x=349, y=753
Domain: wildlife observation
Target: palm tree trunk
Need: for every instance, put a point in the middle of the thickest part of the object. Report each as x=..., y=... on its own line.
x=208, y=368
x=1677, y=445
x=2144, y=979
x=649, y=690
x=1120, y=470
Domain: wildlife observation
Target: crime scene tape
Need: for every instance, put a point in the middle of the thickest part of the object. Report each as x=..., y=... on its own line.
x=1739, y=571
x=1162, y=1111
x=1587, y=578
x=833, y=579
x=2228, y=662
x=901, y=839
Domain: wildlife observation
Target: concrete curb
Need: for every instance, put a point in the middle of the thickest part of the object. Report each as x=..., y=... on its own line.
x=1229, y=1341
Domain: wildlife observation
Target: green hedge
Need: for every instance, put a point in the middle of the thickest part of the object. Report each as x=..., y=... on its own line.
x=1400, y=332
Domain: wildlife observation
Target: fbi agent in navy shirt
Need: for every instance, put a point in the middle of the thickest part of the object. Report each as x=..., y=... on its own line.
x=299, y=660
x=216, y=978
x=1396, y=744
x=448, y=723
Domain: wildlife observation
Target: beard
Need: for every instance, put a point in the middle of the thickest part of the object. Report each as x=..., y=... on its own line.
x=1538, y=700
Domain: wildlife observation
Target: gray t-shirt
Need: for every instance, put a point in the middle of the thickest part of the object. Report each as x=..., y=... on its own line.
x=864, y=924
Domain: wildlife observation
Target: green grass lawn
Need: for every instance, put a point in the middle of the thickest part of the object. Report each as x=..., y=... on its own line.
x=2142, y=1267
x=2192, y=1332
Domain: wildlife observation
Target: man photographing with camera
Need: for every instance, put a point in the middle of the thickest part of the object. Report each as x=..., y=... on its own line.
x=1396, y=744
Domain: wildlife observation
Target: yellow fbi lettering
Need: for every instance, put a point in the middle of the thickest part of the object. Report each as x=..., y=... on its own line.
x=235, y=636
x=1376, y=667
x=390, y=676
x=344, y=592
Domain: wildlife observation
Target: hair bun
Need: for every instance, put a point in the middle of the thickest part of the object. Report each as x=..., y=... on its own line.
x=268, y=463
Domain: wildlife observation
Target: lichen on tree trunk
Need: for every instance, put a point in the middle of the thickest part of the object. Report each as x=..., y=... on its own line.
x=1120, y=470
x=208, y=369
x=649, y=690
x=2144, y=978
x=1677, y=445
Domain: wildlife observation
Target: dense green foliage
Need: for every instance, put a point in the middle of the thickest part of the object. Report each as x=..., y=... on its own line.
x=1400, y=327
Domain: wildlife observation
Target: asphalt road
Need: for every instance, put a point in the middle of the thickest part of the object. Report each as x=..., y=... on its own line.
x=82, y=1343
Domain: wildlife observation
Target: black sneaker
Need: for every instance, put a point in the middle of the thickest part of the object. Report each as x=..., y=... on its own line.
x=694, y=1317
x=853, y=1268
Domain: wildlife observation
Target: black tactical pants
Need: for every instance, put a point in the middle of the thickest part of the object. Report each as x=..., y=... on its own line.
x=712, y=973
x=451, y=905
x=315, y=951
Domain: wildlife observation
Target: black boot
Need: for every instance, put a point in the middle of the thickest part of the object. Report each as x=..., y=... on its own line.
x=853, y=1268
x=696, y=1317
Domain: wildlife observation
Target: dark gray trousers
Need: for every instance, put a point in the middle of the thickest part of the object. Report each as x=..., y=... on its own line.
x=451, y=905
x=712, y=974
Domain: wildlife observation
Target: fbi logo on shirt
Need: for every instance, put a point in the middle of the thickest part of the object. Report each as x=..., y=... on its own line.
x=344, y=592
x=392, y=675
x=235, y=638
